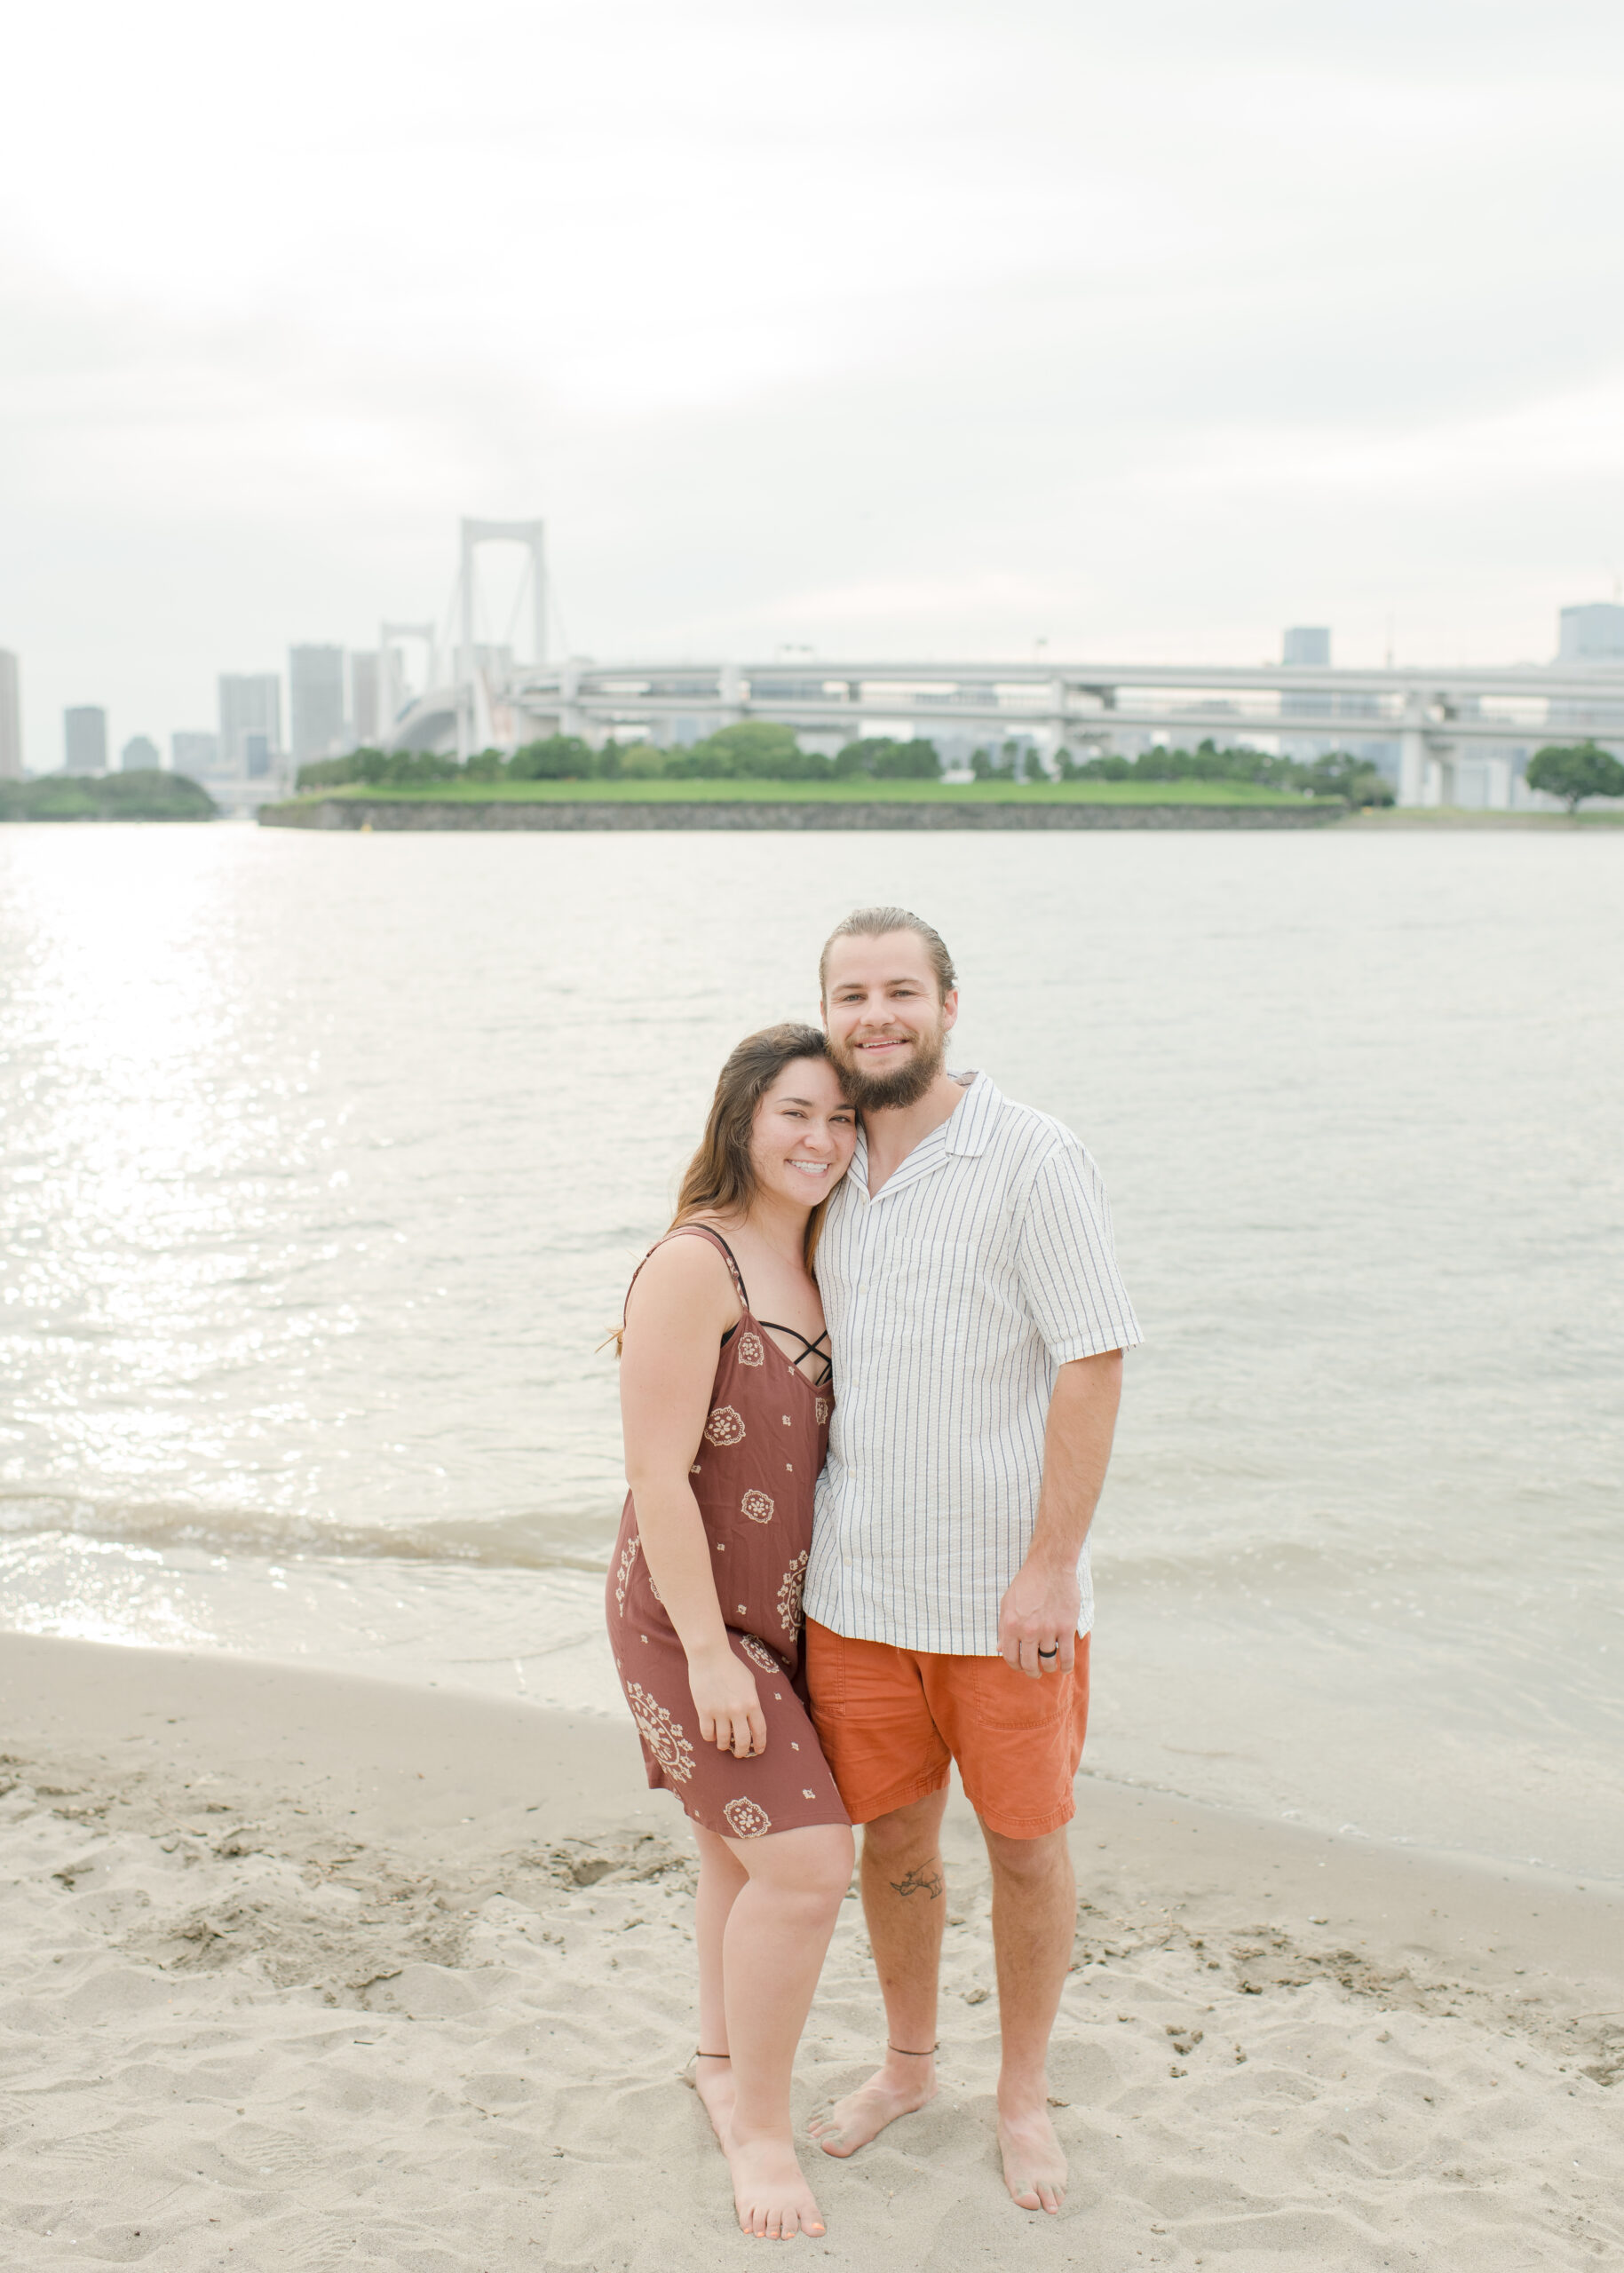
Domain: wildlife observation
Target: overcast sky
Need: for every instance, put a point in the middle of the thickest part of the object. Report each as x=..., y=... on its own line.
x=887, y=328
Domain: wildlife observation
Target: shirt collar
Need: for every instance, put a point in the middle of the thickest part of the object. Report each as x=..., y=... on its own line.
x=967, y=1131
x=969, y=1128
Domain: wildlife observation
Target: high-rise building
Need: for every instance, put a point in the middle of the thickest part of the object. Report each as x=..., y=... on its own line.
x=315, y=701
x=1306, y=646
x=140, y=755
x=10, y=717
x=84, y=734
x=364, y=723
x=1591, y=633
x=256, y=755
x=250, y=703
x=195, y=755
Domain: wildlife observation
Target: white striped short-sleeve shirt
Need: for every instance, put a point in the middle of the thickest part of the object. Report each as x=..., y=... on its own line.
x=952, y=1297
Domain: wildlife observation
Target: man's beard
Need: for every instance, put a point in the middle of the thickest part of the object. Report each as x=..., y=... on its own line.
x=887, y=1092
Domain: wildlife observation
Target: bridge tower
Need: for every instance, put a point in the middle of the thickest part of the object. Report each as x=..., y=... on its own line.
x=473, y=693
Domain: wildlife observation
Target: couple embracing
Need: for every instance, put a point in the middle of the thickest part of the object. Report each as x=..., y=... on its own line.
x=869, y=1379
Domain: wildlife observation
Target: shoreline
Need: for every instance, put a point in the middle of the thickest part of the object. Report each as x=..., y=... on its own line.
x=423, y=813
x=321, y=1964
x=368, y=814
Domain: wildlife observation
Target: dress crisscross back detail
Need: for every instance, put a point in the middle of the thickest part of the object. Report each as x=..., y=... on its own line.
x=817, y=1350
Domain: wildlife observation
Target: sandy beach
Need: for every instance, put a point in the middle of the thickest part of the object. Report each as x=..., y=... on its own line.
x=308, y=1970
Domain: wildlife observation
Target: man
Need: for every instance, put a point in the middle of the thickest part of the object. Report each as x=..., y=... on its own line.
x=978, y=1324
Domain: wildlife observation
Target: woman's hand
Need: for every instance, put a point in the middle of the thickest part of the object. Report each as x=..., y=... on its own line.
x=730, y=1713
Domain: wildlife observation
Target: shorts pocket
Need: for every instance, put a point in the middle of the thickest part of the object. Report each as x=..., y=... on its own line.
x=997, y=1697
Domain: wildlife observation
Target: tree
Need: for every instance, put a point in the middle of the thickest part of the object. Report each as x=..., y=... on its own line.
x=559, y=757
x=1574, y=771
x=915, y=761
x=755, y=749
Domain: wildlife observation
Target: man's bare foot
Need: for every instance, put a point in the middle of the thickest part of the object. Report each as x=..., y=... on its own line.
x=900, y=2087
x=770, y=2193
x=1033, y=2160
x=713, y=2080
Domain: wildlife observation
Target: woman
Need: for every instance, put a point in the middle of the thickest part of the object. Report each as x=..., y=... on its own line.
x=727, y=1407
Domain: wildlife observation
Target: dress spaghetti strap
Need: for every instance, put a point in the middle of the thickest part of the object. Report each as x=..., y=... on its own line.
x=702, y=1231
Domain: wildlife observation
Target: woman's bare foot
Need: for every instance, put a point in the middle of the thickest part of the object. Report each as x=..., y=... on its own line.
x=900, y=2087
x=1033, y=2160
x=713, y=2080
x=770, y=2191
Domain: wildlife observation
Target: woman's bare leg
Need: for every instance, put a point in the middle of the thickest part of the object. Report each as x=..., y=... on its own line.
x=773, y=1944
x=721, y=1877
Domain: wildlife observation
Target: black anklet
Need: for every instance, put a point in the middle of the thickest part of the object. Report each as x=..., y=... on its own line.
x=713, y=2055
x=902, y=2050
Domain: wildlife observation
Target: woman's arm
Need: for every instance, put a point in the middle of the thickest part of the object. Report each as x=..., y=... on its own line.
x=683, y=1303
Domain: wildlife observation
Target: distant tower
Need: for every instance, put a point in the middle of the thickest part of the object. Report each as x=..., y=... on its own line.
x=315, y=701
x=10, y=717
x=140, y=755
x=391, y=694
x=250, y=703
x=1306, y=646
x=84, y=732
x=363, y=698
x=195, y=755
x=1592, y=633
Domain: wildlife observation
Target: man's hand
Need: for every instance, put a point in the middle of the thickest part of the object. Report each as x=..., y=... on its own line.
x=1037, y=1619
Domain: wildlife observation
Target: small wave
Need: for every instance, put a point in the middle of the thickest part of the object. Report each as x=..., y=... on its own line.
x=513, y=1542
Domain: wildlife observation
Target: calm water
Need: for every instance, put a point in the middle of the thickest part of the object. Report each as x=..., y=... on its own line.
x=328, y=1160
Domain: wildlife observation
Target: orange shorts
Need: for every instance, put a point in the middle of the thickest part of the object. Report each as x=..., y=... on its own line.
x=891, y=1720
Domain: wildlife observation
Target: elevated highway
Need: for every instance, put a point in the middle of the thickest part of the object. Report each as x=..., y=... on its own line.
x=1430, y=729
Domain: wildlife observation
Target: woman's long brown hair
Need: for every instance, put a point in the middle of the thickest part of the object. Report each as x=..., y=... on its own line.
x=720, y=1179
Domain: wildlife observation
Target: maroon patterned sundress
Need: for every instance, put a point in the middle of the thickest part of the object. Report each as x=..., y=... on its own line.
x=758, y=1458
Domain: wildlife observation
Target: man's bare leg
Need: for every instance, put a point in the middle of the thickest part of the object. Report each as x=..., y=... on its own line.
x=904, y=1904
x=1035, y=1921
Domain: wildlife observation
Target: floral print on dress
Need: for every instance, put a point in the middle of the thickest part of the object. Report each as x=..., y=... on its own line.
x=750, y=1350
x=725, y=1426
x=757, y=1506
x=789, y=1595
x=746, y=1819
x=821, y=1408
x=664, y=1736
x=623, y=1575
x=758, y=1654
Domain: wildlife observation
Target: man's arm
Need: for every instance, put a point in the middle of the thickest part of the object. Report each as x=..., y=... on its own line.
x=1039, y=1611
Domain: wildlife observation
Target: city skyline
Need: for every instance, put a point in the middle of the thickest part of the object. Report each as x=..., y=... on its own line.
x=936, y=330
x=333, y=702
